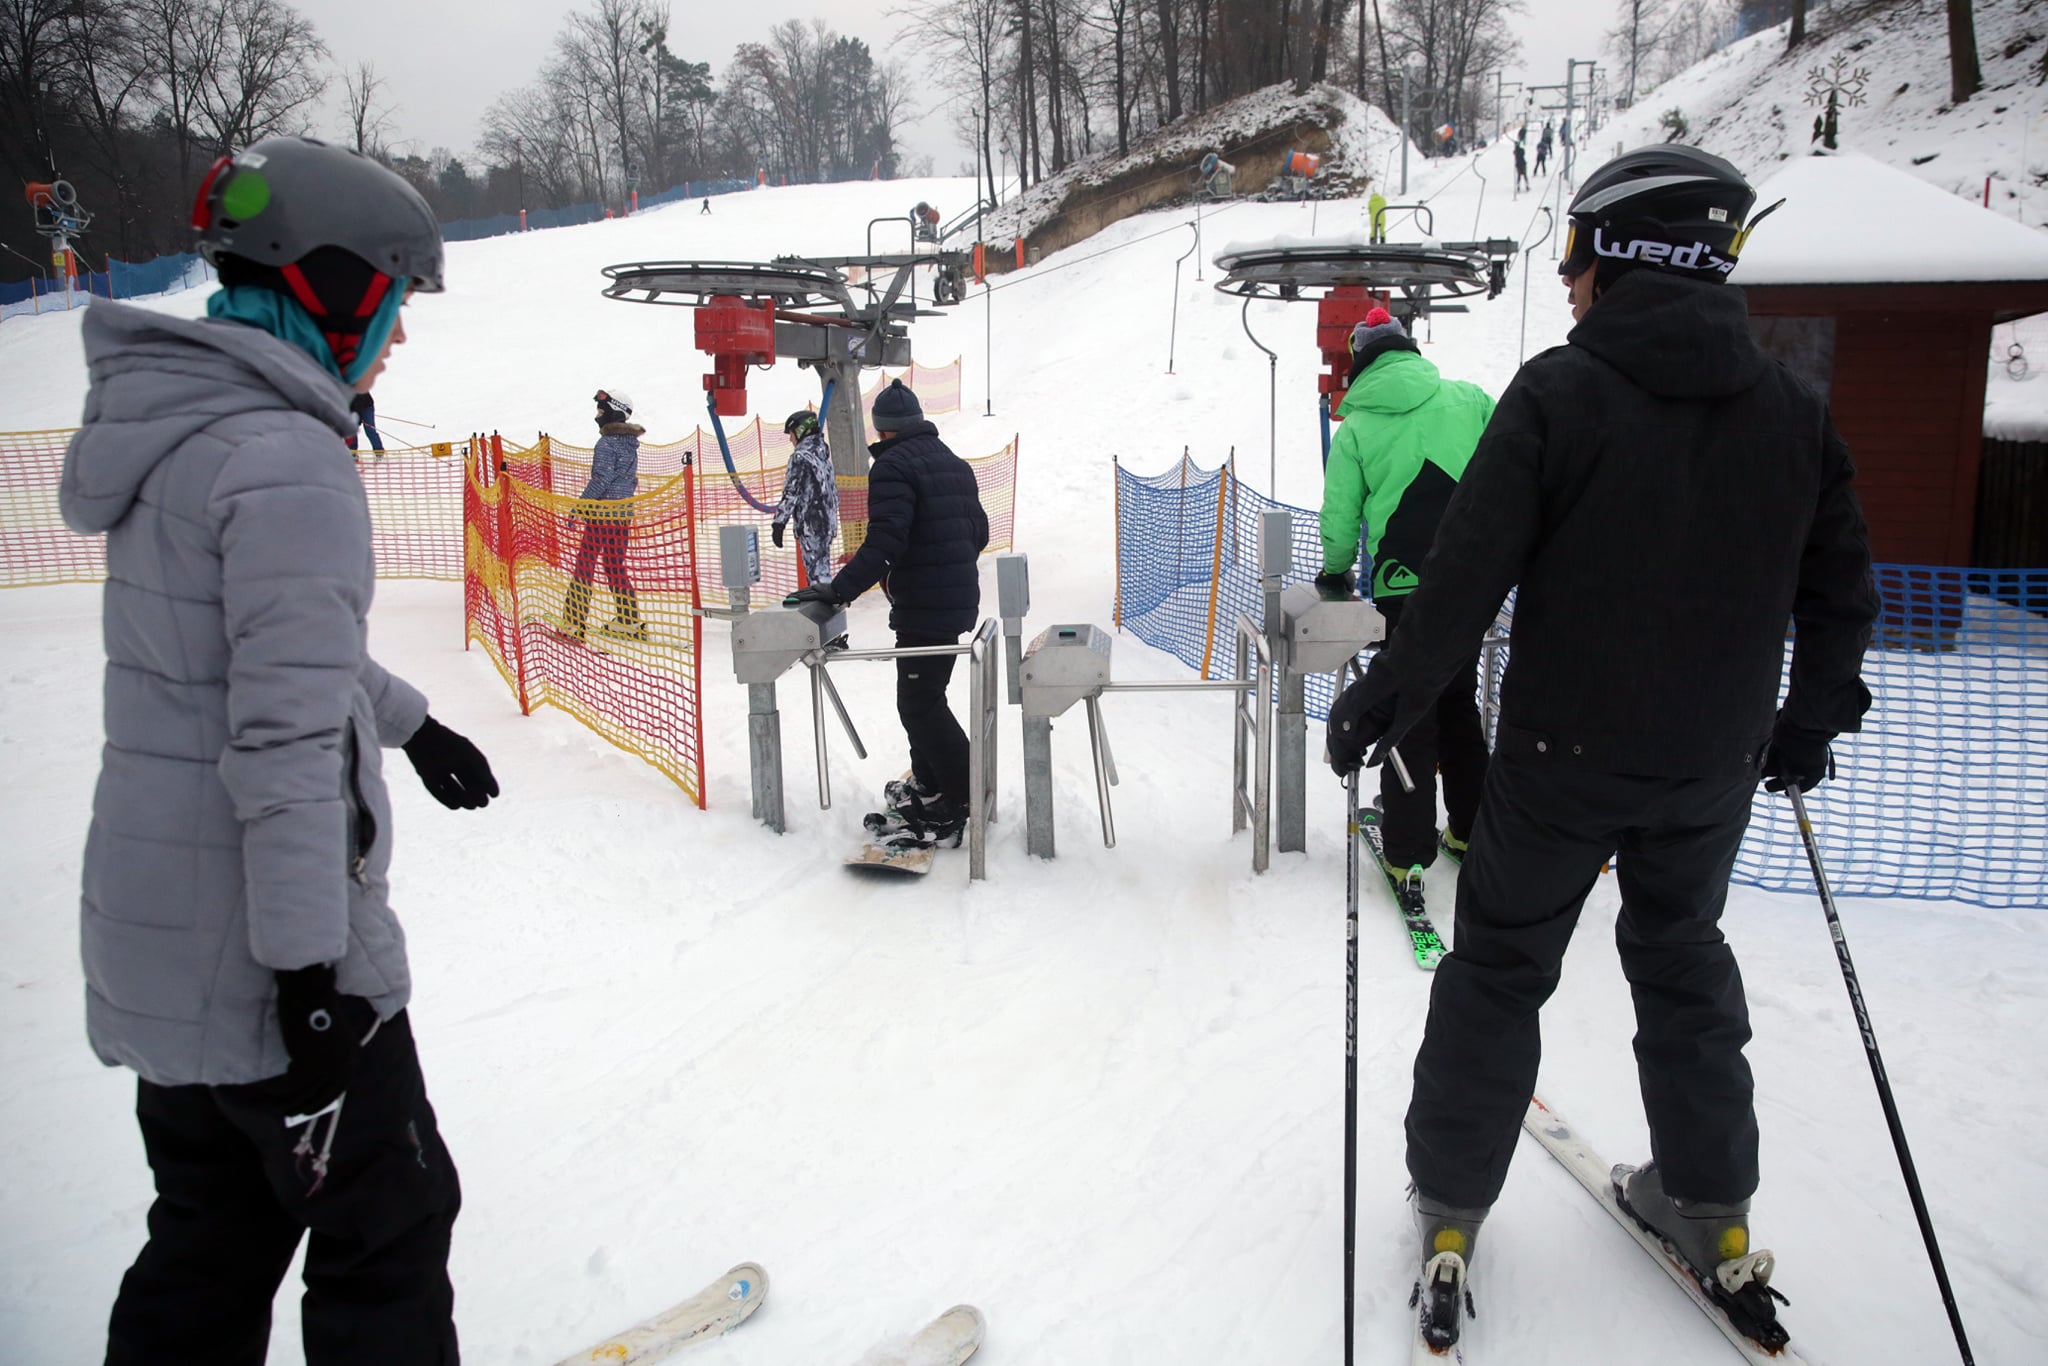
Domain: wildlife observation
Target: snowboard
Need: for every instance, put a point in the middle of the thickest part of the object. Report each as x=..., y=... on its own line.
x=915, y=861
x=718, y=1308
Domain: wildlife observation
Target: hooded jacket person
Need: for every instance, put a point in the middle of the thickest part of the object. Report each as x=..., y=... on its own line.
x=1662, y=498
x=241, y=953
x=926, y=531
x=1394, y=463
x=810, y=496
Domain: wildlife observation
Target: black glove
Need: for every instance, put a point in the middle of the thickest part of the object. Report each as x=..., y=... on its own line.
x=1371, y=715
x=1797, y=757
x=775, y=534
x=453, y=769
x=1339, y=585
x=817, y=592
x=323, y=1036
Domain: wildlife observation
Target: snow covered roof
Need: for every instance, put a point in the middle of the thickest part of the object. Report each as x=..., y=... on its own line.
x=1849, y=219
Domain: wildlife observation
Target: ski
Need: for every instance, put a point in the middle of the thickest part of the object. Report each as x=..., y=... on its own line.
x=1427, y=943
x=1577, y=1156
x=1443, y=1307
x=718, y=1308
x=947, y=1340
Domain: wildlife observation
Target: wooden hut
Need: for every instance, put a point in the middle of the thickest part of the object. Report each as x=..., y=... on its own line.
x=1882, y=290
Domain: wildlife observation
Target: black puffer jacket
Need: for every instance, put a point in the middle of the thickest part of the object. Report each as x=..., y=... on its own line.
x=1665, y=496
x=926, y=528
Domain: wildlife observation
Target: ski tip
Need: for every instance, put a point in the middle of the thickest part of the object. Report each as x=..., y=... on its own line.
x=749, y=1281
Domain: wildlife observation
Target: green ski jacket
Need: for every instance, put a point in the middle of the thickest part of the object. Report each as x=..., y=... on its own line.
x=1394, y=463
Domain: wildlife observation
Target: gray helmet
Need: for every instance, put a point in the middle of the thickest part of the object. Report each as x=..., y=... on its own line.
x=277, y=201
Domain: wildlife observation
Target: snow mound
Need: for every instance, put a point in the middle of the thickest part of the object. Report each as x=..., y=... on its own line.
x=1362, y=143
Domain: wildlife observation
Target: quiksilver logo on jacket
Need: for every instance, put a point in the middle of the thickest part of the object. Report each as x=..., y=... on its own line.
x=1698, y=256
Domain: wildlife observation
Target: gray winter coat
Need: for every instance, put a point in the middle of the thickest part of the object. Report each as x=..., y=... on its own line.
x=241, y=823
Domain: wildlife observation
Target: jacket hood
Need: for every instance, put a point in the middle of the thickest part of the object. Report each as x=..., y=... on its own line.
x=632, y=429
x=157, y=381
x=1398, y=382
x=1674, y=337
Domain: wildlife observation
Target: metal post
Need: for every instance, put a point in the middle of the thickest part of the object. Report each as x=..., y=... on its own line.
x=1038, y=822
x=1097, y=745
x=1290, y=721
x=1244, y=318
x=1404, y=130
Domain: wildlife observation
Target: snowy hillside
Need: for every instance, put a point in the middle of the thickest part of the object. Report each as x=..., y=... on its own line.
x=1748, y=102
x=1100, y=1097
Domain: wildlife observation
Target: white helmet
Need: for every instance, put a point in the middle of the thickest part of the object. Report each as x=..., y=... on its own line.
x=616, y=400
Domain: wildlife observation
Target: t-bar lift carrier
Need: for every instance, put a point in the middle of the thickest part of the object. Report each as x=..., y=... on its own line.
x=753, y=313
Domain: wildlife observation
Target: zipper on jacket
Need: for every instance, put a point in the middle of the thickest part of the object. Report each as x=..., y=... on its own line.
x=366, y=824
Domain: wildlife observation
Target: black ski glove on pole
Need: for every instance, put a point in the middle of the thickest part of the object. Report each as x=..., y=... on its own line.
x=323, y=1036
x=775, y=534
x=1797, y=757
x=817, y=592
x=1372, y=714
x=453, y=769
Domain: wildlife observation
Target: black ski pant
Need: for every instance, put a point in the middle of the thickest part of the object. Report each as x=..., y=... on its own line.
x=1542, y=834
x=1448, y=739
x=938, y=747
x=232, y=1203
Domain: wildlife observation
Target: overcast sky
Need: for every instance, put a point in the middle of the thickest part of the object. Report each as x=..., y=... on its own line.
x=445, y=62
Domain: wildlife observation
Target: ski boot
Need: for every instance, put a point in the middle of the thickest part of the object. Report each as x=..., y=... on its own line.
x=1441, y=1299
x=837, y=644
x=1408, y=889
x=1453, y=847
x=1713, y=1242
x=619, y=628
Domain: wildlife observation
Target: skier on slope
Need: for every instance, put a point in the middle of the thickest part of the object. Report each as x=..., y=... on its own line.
x=606, y=510
x=364, y=410
x=1394, y=464
x=1543, y=150
x=1521, y=167
x=926, y=528
x=1662, y=496
x=810, y=499
x=240, y=954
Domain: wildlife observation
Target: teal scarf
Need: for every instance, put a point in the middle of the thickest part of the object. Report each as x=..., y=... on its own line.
x=287, y=320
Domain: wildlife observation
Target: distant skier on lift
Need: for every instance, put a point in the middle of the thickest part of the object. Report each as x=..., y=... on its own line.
x=1662, y=497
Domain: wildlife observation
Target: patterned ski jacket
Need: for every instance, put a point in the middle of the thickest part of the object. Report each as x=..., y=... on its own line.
x=615, y=464
x=810, y=493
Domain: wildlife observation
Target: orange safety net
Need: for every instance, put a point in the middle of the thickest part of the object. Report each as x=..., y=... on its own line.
x=937, y=388
x=414, y=493
x=590, y=607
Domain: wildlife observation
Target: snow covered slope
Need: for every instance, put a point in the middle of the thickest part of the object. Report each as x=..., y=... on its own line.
x=1748, y=102
x=1099, y=1097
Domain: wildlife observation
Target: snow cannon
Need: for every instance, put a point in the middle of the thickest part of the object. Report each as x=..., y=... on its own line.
x=1303, y=164
x=737, y=334
x=1215, y=178
x=1446, y=132
x=1337, y=312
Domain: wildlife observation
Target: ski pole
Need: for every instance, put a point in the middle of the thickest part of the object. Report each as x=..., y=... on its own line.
x=406, y=421
x=1884, y=1086
x=1350, y=1058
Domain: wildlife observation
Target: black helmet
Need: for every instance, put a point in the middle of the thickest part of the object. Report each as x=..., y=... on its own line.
x=800, y=424
x=282, y=199
x=1668, y=207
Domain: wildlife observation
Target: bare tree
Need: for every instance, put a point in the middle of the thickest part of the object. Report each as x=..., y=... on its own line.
x=603, y=43
x=368, y=119
x=1965, y=76
x=107, y=67
x=968, y=35
x=1798, y=34
x=266, y=74
x=31, y=35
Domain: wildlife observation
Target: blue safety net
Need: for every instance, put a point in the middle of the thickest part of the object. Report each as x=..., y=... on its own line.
x=1942, y=794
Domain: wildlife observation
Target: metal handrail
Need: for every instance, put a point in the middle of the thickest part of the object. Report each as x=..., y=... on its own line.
x=1251, y=717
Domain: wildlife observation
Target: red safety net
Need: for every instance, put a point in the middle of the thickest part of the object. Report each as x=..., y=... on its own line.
x=591, y=607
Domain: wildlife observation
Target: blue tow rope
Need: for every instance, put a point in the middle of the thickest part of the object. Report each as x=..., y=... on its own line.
x=732, y=471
